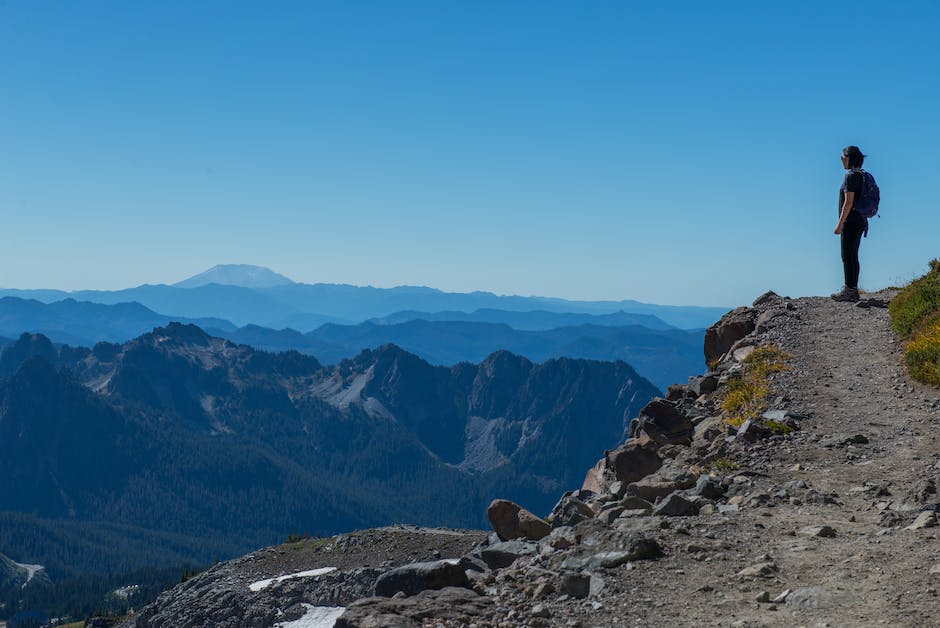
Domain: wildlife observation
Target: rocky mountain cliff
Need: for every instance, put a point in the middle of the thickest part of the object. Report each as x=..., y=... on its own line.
x=817, y=507
x=187, y=439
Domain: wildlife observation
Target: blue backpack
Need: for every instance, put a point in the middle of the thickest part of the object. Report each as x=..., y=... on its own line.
x=867, y=201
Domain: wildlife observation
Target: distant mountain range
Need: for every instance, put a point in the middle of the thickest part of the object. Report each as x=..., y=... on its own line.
x=659, y=352
x=663, y=356
x=81, y=323
x=200, y=448
x=537, y=320
x=257, y=295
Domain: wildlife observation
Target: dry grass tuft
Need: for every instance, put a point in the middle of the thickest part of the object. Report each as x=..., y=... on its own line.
x=749, y=396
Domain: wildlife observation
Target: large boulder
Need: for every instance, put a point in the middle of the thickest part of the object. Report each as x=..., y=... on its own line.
x=729, y=329
x=416, y=577
x=662, y=422
x=632, y=462
x=652, y=489
x=511, y=521
x=676, y=505
x=569, y=511
x=595, y=479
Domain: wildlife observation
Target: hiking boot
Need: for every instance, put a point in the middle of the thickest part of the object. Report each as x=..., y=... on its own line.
x=846, y=294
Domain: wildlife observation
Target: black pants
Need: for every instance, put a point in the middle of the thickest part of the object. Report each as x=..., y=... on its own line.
x=852, y=232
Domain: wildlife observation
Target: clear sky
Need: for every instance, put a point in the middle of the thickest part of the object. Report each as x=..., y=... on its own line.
x=671, y=152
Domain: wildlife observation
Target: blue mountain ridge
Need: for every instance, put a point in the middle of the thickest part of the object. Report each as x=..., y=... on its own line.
x=662, y=354
x=287, y=305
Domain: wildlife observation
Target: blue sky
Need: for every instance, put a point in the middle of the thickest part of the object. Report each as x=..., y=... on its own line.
x=674, y=152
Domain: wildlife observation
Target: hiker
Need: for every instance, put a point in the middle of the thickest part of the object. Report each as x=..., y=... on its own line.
x=858, y=201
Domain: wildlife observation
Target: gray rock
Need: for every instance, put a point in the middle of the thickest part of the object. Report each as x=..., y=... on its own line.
x=732, y=327
x=633, y=502
x=926, y=519
x=650, y=490
x=703, y=384
x=640, y=549
x=416, y=577
x=577, y=585
x=708, y=430
x=609, y=514
x=709, y=487
x=500, y=555
x=819, y=531
x=759, y=570
x=569, y=511
x=661, y=421
x=632, y=462
x=752, y=431
x=769, y=298
x=675, y=392
x=540, y=610
x=471, y=563
x=562, y=537
x=782, y=597
x=782, y=416
x=675, y=505
x=810, y=598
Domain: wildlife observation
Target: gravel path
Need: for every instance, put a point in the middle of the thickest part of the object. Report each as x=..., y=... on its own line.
x=846, y=375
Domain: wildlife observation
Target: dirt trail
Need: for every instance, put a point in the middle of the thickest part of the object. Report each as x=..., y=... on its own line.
x=847, y=376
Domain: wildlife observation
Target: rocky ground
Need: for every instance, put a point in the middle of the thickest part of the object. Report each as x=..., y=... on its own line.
x=828, y=520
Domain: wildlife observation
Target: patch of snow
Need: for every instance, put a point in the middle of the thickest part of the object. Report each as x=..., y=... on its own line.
x=316, y=617
x=125, y=592
x=31, y=570
x=341, y=394
x=264, y=584
x=208, y=404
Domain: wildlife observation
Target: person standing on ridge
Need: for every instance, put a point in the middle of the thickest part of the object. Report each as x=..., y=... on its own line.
x=857, y=196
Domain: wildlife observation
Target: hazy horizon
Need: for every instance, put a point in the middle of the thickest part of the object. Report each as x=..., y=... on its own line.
x=172, y=284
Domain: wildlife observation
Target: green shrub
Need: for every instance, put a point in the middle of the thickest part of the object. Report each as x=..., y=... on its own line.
x=915, y=317
x=777, y=427
x=922, y=354
x=723, y=465
x=917, y=301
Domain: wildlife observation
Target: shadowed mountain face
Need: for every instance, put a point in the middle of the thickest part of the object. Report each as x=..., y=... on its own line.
x=192, y=437
x=663, y=356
